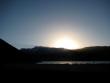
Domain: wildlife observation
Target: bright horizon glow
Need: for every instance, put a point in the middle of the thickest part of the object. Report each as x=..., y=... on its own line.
x=66, y=43
x=29, y=23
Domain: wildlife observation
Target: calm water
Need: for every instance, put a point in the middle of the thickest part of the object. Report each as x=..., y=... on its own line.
x=74, y=62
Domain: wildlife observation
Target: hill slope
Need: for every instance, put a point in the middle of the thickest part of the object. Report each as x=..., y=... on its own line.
x=10, y=54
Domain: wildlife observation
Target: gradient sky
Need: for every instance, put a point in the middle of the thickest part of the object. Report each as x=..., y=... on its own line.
x=25, y=23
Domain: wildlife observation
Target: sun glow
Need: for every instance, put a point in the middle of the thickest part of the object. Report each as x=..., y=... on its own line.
x=66, y=43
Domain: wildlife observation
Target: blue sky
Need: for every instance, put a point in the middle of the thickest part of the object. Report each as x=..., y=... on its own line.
x=25, y=23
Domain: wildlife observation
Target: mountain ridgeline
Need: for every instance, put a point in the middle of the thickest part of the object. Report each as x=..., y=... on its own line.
x=10, y=54
x=99, y=53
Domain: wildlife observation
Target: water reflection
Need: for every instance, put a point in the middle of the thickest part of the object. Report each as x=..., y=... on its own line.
x=74, y=62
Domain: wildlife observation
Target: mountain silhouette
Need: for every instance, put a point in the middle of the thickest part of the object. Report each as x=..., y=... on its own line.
x=10, y=54
x=26, y=58
x=86, y=54
x=5, y=45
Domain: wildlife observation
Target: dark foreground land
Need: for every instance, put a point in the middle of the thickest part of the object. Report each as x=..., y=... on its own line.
x=26, y=59
x=59, y=67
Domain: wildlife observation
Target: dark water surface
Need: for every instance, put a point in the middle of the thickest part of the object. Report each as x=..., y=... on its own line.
x=74, y=62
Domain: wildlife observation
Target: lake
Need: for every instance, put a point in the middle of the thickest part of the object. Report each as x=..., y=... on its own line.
x=74, y=62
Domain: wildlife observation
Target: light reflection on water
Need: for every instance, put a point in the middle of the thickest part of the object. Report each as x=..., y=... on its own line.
x=74, y=62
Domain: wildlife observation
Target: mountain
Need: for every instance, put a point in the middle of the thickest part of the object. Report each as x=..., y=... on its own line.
x=86, y=54
x=26, y=58
x=8, y=52
x=6, y=46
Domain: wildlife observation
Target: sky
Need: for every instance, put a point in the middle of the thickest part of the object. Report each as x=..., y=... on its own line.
x=26, y=23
